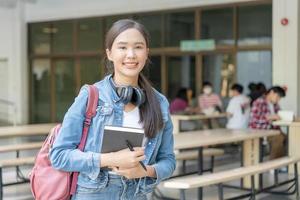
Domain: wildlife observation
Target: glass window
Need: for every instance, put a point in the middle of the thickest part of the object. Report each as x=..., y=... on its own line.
x=179, y=26
x=90, y=70
x=153, y=72
x=39, y=36
x=90, y=35
x=181, y=73
x=40, y=88
x=218, y=25
x=255, y=25
x=153, y=25
x=254, y=66
x=65, y=86
x=219, y=71
x=62, y=37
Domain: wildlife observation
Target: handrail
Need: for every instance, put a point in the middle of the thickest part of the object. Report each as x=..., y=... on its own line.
x=13, y=104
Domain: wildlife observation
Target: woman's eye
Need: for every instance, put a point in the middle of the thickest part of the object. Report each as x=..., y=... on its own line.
x=139, y=47
x=121, y=47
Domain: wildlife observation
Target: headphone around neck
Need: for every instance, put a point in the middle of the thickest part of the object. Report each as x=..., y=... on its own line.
x=129, y=94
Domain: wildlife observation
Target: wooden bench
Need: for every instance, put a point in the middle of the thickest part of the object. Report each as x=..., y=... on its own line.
x=20, y=147
x=16, y=162
x=199, y=181
x=193, y=155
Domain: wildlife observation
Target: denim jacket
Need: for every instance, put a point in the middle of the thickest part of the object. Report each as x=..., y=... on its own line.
x=65, y=156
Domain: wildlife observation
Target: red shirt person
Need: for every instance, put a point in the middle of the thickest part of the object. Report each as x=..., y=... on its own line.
x=263, y=112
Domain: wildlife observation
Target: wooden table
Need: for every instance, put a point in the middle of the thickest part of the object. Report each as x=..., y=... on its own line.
x=282, y=123
x=294, y=142
x=25, y=130
x=200, y=139
x=177, y=118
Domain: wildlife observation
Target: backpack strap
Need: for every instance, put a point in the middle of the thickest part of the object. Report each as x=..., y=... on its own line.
x=89, y=114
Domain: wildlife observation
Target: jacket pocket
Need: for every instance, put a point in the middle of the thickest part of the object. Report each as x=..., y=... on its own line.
x=94, y=184
x=146, y=185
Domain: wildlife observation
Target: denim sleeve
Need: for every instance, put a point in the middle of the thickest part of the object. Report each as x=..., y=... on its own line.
x=165, y=160
x=64, y=154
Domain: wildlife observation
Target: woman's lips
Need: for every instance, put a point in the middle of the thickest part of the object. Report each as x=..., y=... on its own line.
x=130, y=64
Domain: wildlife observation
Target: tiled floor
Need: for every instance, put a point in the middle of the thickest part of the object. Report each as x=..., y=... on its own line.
x=22, y=191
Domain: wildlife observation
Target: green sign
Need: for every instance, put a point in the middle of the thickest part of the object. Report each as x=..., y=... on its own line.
x=197, y=45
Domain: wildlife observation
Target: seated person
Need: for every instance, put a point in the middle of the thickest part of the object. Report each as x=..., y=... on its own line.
x=180, y=103
x=257, y=90
x=209, y=102
x=180, y=106
x=263, y=113
x=238, y=108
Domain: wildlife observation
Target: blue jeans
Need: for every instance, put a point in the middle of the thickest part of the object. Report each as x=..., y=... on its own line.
x=117, y=188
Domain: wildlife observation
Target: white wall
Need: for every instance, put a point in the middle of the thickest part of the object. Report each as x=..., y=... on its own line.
x=65, y=9
x=13, y=49
x=286, y=51
x=6, y=59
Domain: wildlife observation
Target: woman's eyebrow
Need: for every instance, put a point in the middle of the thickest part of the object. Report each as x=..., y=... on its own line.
x=142, y=43
x=123, y=43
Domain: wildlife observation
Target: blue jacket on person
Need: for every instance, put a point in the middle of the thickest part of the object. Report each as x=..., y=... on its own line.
x=65, y=156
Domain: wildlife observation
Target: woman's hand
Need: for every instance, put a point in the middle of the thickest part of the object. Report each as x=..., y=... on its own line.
x=123, y=158
x=273, y=117
x=136, y=172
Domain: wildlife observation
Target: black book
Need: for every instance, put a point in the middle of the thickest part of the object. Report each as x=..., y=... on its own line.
x=115, y=138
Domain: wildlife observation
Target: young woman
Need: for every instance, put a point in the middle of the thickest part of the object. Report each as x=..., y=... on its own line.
x=127, y=49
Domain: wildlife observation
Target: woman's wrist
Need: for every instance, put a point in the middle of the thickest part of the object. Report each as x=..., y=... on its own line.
x=151, y=171
x=106, y=160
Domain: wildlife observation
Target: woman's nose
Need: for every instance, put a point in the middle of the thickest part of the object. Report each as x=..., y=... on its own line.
x=130, y=53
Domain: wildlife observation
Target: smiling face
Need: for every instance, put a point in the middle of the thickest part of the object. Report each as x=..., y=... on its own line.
x=128, y=53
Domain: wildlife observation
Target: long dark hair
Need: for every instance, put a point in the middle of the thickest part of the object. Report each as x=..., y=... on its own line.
x=150, y=111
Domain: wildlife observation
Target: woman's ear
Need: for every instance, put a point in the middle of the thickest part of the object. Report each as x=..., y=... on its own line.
x=108, y=54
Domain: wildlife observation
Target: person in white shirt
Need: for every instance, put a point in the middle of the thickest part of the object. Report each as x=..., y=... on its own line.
x=238, y=108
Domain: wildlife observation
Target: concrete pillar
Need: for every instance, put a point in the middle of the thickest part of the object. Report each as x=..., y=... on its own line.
x=286, y=51
x=19, y=82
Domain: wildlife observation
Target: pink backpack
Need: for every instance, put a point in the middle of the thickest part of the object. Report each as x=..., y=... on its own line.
x=48, y=183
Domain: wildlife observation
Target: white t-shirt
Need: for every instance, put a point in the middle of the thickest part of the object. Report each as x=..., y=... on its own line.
x=239, y=118
x=131, y=119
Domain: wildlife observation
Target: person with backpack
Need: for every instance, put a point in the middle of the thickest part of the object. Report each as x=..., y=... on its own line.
x=126, y=98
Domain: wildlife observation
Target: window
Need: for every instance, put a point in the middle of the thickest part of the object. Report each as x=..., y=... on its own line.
x=217, y=24
x=40, y=88
x=91, y=70
x=181, y=73
x=153, y=72
x=255, y=25
x=179, y=26
x=219, y=70
x=66, y=54
x=90, y=35
x=62, y=34
x=65, y=86
x=40, y=38
x=254, y=66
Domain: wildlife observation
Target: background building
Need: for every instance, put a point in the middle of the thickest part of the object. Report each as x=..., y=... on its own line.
x=49, y=48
